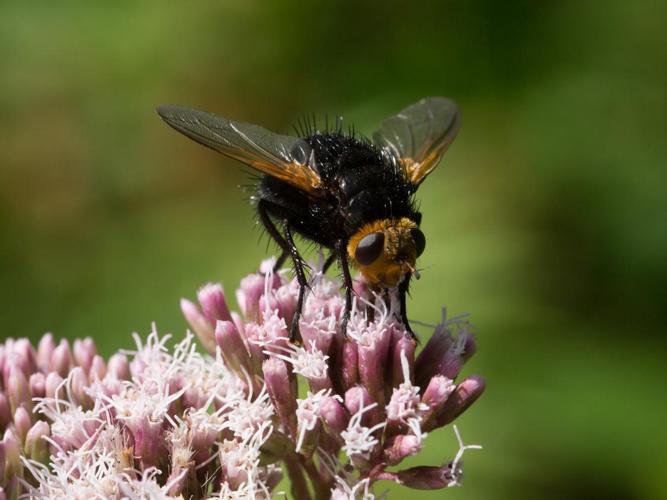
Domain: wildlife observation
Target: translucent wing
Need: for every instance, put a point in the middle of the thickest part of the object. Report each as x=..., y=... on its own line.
x=284, y=157
x=419, y=135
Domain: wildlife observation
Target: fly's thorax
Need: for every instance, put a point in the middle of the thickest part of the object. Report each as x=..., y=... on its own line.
x=386, y=250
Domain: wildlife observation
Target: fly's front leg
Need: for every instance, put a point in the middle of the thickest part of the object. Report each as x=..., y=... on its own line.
x=402, y=293
x=300, y=277
x=347, y=280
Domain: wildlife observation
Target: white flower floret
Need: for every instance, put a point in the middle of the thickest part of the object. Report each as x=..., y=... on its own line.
x=307, y=413
x=405, y=405
x=455, y=466
x=311, y=363
x=359, y=440
x=146, y=487
x=244, y=417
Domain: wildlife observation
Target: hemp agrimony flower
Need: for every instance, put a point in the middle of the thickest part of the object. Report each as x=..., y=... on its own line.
x=333, y=413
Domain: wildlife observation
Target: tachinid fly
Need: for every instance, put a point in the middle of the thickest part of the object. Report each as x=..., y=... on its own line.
x=350, y=195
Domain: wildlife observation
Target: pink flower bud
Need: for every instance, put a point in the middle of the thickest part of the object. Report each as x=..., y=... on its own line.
x=286, y=298
x=37, y=385
x=231, y=461
x=22, y=423
x=318, y=332
x=469, y=347
x=177, y=482
x=400, y=343
x=18, y=390
x=255, y=348
x=98, y=368
x=233, y=349
x=350, y=365
x=465, y=394
x=5, y=412
x=282, y=388
x=213, y=303
x=13, y=467
x=334, y=414
x=373, y=350
x=36, y=447
x=25, y=355
x=424, y=477
x=399, y=447
x=202, y=438
x=431, y=355
x=78, y=386
x=45, y=350
x=308, y=423
x=443, y=354
x=268, y=304
x=358, y=397
x=201, y=326
x=61, y=359
x=149, y=442
x=118, y=367
x=83, y=354
x=248, y=295
x=3, y=459
x=54, y=386
x=334, y=307
x=435, y=396
x=271, y=335
x=454, y=359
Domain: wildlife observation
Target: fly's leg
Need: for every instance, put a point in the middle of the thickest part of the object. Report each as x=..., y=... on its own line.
x=286, y=243
x=274, y=234
x=327, y=263
x=347, y=280
x=402, y=292
x=301, y=279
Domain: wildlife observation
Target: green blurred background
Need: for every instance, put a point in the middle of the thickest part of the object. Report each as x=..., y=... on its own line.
x=545, y=221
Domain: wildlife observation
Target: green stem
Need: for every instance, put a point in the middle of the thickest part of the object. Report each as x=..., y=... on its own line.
x=297, y=479
x=321, y=486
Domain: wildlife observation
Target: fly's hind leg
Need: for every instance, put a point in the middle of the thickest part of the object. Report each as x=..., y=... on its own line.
x=301, y=279
x=274, y=234
x=402, y=293
x=347, y=281
x=286, y=244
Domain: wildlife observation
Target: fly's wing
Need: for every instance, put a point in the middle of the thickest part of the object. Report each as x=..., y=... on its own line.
x=419, y=135
x=285, y=157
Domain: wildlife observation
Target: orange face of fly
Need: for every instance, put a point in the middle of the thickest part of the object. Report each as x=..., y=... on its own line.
x=386, y=250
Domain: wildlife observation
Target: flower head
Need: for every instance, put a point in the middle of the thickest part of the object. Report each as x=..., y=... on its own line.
x=163, y=421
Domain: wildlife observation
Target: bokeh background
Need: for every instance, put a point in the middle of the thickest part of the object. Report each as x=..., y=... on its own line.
x=546, y=220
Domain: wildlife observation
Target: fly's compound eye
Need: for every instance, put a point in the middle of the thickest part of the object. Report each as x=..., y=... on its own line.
x=420, y=241
x=369, y=248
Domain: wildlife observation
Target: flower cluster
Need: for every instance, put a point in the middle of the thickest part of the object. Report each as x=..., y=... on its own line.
x=333, y=412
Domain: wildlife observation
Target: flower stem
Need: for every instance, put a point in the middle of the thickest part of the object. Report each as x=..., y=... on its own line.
x=297, y=479
x=321, y=486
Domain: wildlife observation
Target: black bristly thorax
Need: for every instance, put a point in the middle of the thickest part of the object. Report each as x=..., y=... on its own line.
x=360, y=185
